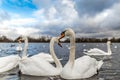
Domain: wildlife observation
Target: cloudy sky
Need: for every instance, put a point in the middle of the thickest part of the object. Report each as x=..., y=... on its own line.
x=89, y=18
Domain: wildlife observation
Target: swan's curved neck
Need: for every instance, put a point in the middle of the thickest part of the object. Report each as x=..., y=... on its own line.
x=25, y=48
x=109, y=48
x=72, y=49
x=57, y=62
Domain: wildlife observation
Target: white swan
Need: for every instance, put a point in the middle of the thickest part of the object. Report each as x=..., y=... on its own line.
x=45, y=56
x=19, y=48
x=37, y=66
x=83, y=67
x=8, y=62
x=96, y=51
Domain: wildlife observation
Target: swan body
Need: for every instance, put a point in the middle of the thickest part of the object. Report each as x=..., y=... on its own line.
x=96, y=51
x=83, y=67
x=37, y=66
x=9, y=62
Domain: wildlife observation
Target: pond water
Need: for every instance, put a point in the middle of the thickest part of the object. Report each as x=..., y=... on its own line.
x=109, y=71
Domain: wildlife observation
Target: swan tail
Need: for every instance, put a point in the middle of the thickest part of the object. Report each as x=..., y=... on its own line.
x=99, y=64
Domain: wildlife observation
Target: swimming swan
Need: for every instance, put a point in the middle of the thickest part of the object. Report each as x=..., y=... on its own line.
x=96, y=51
x=37, y=66
x=9, y=62
x=83, y=67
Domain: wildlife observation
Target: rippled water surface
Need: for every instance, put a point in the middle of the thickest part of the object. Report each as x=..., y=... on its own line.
x=109, y=71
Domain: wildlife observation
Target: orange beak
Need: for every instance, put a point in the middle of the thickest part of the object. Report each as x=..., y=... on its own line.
x=62, y=36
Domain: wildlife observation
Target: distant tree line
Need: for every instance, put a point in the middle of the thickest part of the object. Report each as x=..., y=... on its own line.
x=47, y=39
x=94, y=40
x=5, y=39
x=40, y=39
x=97, y=39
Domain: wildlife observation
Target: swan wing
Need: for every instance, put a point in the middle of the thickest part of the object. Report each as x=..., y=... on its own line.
x=45, y=56
x=37, y=67
x=9, y=62
x=95, y=51
x=85, y=67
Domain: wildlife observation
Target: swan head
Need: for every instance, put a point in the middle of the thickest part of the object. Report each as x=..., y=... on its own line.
x=66, y=32
x=22, y=38
x=19, y=39
x=56, y=40
x=109, y=42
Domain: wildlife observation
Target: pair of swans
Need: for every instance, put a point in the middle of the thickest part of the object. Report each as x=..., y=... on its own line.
x=26, y=64
x=96, y=51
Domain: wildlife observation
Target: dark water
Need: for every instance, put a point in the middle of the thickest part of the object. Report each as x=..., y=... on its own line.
x=109, y=71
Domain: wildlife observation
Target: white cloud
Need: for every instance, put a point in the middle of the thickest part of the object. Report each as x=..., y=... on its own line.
x=17, y=26
x=17, y=31
x=13, y=32
x=62, y=12
x=39, y=14
x=19, y=22
x=4, y=16
x=96, y=20
x=112, y=20
x=103, y=24
x=51, y=13
x=26, y=31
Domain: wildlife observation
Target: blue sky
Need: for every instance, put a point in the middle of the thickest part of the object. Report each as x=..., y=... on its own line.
x=21, y=7
x=88, y=18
